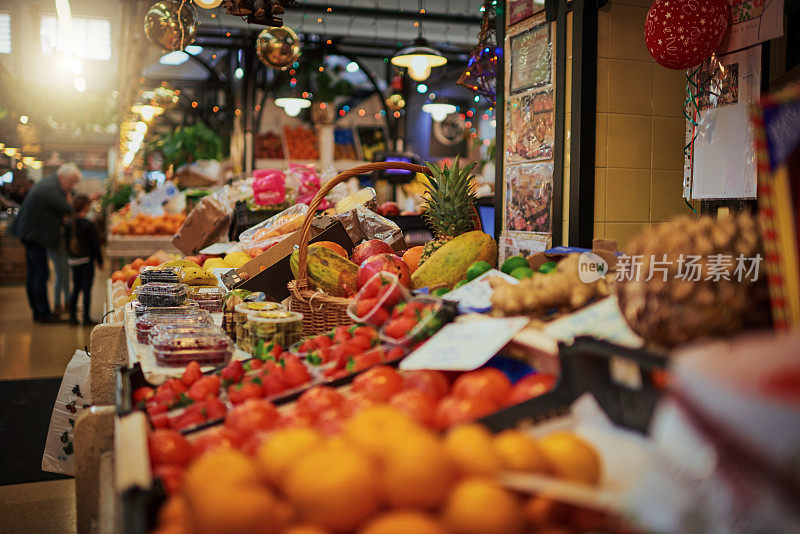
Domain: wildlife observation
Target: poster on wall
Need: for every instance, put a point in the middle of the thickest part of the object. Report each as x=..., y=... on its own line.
x=721, y=162
x=522, y=246
x=519, y=10
x=531, y=58
x=529, y=198
x=530, y=126
x=752, y=22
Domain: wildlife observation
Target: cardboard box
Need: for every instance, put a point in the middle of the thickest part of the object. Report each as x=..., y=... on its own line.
x=205, y=225
x=269, y=272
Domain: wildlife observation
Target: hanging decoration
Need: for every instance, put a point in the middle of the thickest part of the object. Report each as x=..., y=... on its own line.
x=171, y=24
x=278, y=47
x=164, y=97
x=681, y=34
x=263, y=12
x=480, y=75
x=395, y=102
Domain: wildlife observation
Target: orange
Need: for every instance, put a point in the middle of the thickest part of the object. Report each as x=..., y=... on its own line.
x=411, y=257
x=481, y=506
x=223, y=467
x=285, y=515
x=175, y=510
x=118, y=276
x=375, y=429
x=221, y=509
x=416, y=472
x=470, y=448
x=336, y=247
x=334, y=488
x=137, y=263
x=403, y=522
x=571, y=457
x=281, y=450
x=542, y=511
x=519, y=452
x=305, y=528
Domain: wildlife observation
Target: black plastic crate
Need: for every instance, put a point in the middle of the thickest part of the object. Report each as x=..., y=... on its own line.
x=244, y=218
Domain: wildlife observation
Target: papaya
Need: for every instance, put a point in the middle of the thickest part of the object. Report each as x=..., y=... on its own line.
x=327, y=271
x=450, y=262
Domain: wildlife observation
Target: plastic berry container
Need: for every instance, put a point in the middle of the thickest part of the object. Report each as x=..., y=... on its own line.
x=180, y=346
x=161, y=295
x=147, y=324
x=165, y=275
x=186, y=307
x=417, y=319
x=374, y=302
x=209, y=299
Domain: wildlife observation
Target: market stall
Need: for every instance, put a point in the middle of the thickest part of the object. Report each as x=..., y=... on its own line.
x=325, y=327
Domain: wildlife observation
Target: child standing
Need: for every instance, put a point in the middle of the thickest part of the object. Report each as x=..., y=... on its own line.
x=83, y=245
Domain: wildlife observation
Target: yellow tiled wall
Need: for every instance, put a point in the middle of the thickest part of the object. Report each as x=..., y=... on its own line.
x=640, y=128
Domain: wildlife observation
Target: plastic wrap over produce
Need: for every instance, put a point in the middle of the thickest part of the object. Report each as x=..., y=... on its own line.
x=274, y=229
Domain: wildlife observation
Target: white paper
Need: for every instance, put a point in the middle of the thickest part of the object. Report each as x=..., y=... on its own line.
x=602, y=320
x=763, y=26
x=477, y=294
x=464, y=346
x=218, y=248
x=723, y=159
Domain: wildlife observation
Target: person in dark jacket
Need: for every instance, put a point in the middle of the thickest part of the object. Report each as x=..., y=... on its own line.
x=39, y=225
x=83, y=246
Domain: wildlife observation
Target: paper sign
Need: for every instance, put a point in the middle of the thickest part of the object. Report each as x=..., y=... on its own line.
x=464, y=346
x=602, y=320
x=476, y=295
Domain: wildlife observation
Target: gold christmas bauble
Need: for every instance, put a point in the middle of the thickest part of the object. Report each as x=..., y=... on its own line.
x=164, y=97
x=395, y=102
x=278, y=47
x=168, y=29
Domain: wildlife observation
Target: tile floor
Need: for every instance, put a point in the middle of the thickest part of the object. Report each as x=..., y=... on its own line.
x=31, y=350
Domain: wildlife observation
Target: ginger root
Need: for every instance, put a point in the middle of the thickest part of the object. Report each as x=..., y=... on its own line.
x=562, y=289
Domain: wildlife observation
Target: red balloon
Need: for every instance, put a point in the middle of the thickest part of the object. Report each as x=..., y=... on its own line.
x=683, y=33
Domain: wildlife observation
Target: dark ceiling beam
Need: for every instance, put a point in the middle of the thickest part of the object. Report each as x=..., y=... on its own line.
x=354, y=11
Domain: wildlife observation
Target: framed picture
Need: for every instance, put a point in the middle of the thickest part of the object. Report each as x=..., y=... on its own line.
x=529, y=198
x=531, y=54
x=530, y=127
x=519, y=10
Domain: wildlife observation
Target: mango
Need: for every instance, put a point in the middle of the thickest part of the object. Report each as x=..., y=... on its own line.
x=449, y=264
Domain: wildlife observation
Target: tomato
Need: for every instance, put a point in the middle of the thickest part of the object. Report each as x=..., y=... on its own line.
x=357, y=402
x=294, y=372
x=168, y=447
x=191, y=374
x=142, y=394
x=216, y=438
x=529, y=387
x=319, y=399
x=453, y=410
x=419, y=405
x=296, y=418
x=487, y=382
x=378, y=383
x=252, y=416
x=330, y=422
x=434, y=383
x=233, y=372
x=171, y=477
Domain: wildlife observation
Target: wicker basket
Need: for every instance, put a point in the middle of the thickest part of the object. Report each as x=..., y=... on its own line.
x=322, y=312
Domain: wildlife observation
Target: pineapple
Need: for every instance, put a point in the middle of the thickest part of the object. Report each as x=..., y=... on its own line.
x=449, y=205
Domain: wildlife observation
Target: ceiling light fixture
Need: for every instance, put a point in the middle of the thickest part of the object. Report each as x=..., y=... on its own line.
x=439, y=111
x=208, y=4
x=420, y=57
x=292, y=105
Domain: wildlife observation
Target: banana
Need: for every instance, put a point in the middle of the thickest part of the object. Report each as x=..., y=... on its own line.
x=179, y=263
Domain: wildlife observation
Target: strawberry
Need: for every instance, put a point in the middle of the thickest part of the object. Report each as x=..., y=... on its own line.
x=341, y=334
x=365, y=331
x=271, y=385
x=306, y=346
x=233, y=372
x=175, y=385
x=365, y=360
x=207, y=385
x=361, y=342
x=415, y=309
x=159, y=420
x=323, y=341
x=398, y=310
x=365, y=306
x=191, y=374
x=295, y=373
x=249, y=389
x=142, y=394
x=255, y=364
x=379, y=316
x=391, y=295
x=398, y=328
x=215, y=409
x=395, y=353
x=372, y=288
x=188, y=419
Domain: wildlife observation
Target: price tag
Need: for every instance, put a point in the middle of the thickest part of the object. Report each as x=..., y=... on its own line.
x=464, y=346
x=477, y=294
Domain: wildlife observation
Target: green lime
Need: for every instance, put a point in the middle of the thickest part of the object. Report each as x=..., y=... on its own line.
x=548, y=267
x=512, y=263
x=477, y=269
x=460, y=283
x=439, y=292
x=522, y=272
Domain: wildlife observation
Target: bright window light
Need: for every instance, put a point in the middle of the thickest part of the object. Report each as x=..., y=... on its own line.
x=174, y=58
x=91, y=37
x=5, y=33
x=193, y=49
